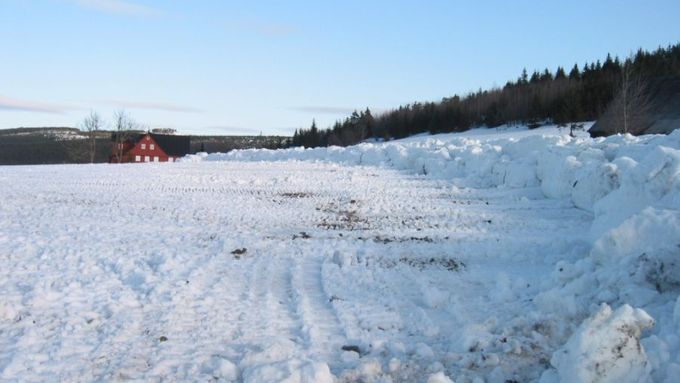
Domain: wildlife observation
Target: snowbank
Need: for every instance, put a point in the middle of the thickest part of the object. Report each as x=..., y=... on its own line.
x=606, y=348
x=630, y=185
x=614, y=177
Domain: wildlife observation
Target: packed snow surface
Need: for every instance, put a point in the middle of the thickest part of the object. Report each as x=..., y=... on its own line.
x=498, y=255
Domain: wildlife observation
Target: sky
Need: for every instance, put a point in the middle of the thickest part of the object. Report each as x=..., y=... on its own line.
x=270, y=67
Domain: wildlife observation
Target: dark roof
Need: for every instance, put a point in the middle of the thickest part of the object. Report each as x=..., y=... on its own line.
x=173, y=145
x=128, y=135
x=665, y=96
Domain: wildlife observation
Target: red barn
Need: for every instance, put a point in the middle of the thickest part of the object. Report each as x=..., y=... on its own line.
x=149, y=147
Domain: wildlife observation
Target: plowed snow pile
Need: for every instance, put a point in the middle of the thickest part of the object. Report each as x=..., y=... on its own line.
x=481, y=257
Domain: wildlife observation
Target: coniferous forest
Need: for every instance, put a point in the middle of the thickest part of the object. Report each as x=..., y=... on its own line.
x=565, y=95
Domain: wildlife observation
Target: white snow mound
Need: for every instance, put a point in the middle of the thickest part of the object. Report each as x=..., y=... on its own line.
x=290, y=371
x=606, y=348
x=439, y=377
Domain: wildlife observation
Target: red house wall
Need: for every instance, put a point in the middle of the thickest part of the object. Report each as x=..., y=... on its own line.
x=142, y=152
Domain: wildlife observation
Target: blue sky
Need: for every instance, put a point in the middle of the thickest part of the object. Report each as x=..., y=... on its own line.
x=245, y=67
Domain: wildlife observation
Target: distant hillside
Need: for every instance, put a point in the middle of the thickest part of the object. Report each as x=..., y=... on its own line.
x=64, y=145
x=57, y=132
x=49, y=145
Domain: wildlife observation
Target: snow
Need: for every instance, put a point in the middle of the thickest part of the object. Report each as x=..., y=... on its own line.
x=439, y=378
x=606, y=348
x=489, y=256
x=58, y=134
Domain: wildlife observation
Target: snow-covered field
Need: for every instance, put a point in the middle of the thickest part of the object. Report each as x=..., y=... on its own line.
x=514, y=256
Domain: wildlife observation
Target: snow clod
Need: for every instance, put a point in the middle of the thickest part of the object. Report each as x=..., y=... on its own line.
x=439, y=377
x=606, y=348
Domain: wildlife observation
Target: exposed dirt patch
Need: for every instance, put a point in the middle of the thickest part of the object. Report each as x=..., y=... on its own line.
x=345, y=220
x=386, y=240
x=238, y=253
x=296, y=195
x=343, y=215
x=302, y=235
x=449, y=264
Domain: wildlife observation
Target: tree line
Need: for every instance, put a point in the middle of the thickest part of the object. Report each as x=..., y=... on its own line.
x=562, y=96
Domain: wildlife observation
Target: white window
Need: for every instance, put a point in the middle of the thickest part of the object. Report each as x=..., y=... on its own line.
x=143, y=146
x=146, y=159
x=138, y=158
x=151, y=146
x=155, y=158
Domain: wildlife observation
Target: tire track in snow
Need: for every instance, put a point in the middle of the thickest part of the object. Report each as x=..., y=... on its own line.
x=116, y=357
x=270, y=310
x=289, y=315
x=197, y=319
x=213, y=301
x=321, y=329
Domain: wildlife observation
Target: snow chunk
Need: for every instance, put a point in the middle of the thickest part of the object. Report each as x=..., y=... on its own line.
x=676, y=312
x=343, y=259
x=595, y=181
x=222, y=368
x=643, y=249
x=434, y=297
x=652, y=181
x=439, y=377
x=290, y=371
x=556, y=171
x=606, y=348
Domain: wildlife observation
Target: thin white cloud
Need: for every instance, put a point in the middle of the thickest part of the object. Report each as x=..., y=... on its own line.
x=117, y=7
x=153, y=105
x=12, y=104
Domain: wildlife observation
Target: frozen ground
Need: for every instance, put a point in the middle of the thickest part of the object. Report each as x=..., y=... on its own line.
x=472, y=258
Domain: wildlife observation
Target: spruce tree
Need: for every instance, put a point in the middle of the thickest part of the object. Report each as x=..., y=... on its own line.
x=575, y=73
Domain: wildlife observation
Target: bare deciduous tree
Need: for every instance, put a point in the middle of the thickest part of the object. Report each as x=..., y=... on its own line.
x=92, y=124
x=123, y=125
x=629, y=110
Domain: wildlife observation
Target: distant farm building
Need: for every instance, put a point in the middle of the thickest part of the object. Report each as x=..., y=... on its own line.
x=148, y=147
